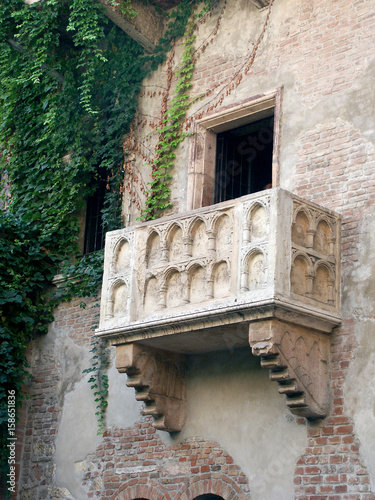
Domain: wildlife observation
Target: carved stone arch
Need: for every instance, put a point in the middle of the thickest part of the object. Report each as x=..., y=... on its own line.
x=258, y=221
x=254, y=269
x=117, y=304
x=224, y=487
x=153, y=248
x=222, y=229
x=220, y=276
x=175, y=242
x=175, y=286
x=301, y=274
x=212, y=265
x=205, y=263
x=303, y=227
x=169, y=270
x=324, y=282
x=199, y=238
x=152, y=294
x=191, y=223
x=303, y=209
x=121, y=255
x=324, y=236
x=149, y=491
x=197, y=282
x=303, y=255
x=322, y=217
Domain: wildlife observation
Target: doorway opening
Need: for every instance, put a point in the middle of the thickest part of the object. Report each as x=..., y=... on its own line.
x=244, y=160
x=208, y=496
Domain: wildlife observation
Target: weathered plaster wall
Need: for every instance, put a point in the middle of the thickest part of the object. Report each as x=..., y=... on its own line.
x=322, y=53
x=360, y=386
x=232, y=401
x=77, y=436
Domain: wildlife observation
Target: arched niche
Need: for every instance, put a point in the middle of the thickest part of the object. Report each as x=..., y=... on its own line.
x=120, y=299
x=223, y=233
x=153, y=249
x=322, y=284
x=199, y=239
x=175, y=289
x=256, y=270
x=152, y=296
x=323, y=238
x=197, y=279
x=258, y=222
x=300, y=228
x=122, y=262
x=175, y=243
x=221, y=280
x=298, y=275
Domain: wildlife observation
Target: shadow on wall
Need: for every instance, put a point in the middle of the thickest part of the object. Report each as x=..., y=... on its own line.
x=232, y=401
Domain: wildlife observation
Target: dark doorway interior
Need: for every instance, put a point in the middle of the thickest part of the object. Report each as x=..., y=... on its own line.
x=208, y=496
x=244, y=160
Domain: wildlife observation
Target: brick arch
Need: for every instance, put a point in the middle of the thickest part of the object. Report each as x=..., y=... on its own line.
x=132, y=491
x=224, y=487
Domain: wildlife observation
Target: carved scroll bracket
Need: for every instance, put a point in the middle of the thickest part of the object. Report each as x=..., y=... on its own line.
x=159, y=379
x=297, y=358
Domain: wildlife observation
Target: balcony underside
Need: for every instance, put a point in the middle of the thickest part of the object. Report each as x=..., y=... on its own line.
x=216, y=329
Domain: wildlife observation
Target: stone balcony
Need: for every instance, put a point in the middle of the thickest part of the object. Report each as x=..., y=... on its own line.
x=262, y=255
x=264, y=269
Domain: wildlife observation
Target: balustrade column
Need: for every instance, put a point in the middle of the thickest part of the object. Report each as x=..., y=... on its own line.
x=211, y=243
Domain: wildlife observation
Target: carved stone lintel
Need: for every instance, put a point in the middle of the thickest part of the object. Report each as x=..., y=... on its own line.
x=159, y=379
x=297, y=358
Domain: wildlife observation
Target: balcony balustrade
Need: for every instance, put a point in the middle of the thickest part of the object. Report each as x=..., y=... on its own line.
x=264, y=269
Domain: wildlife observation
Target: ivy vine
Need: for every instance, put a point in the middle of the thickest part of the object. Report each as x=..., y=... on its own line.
x=70, y=81
x=171, y=134
x=98, y=380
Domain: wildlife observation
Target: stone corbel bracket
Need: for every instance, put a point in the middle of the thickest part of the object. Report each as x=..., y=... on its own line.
x=159, y=378
x=297, y=358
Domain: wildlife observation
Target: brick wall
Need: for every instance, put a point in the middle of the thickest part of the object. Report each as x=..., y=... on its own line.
x=135, y=462
x=327, y=46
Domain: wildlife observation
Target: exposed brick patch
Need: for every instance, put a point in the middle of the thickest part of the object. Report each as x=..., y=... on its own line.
x=130, y=490
x=332, y=466
x=224, y=487
x=131, y=460
x=336, y=168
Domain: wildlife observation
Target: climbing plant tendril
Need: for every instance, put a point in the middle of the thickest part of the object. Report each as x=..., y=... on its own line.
x=171, y=134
